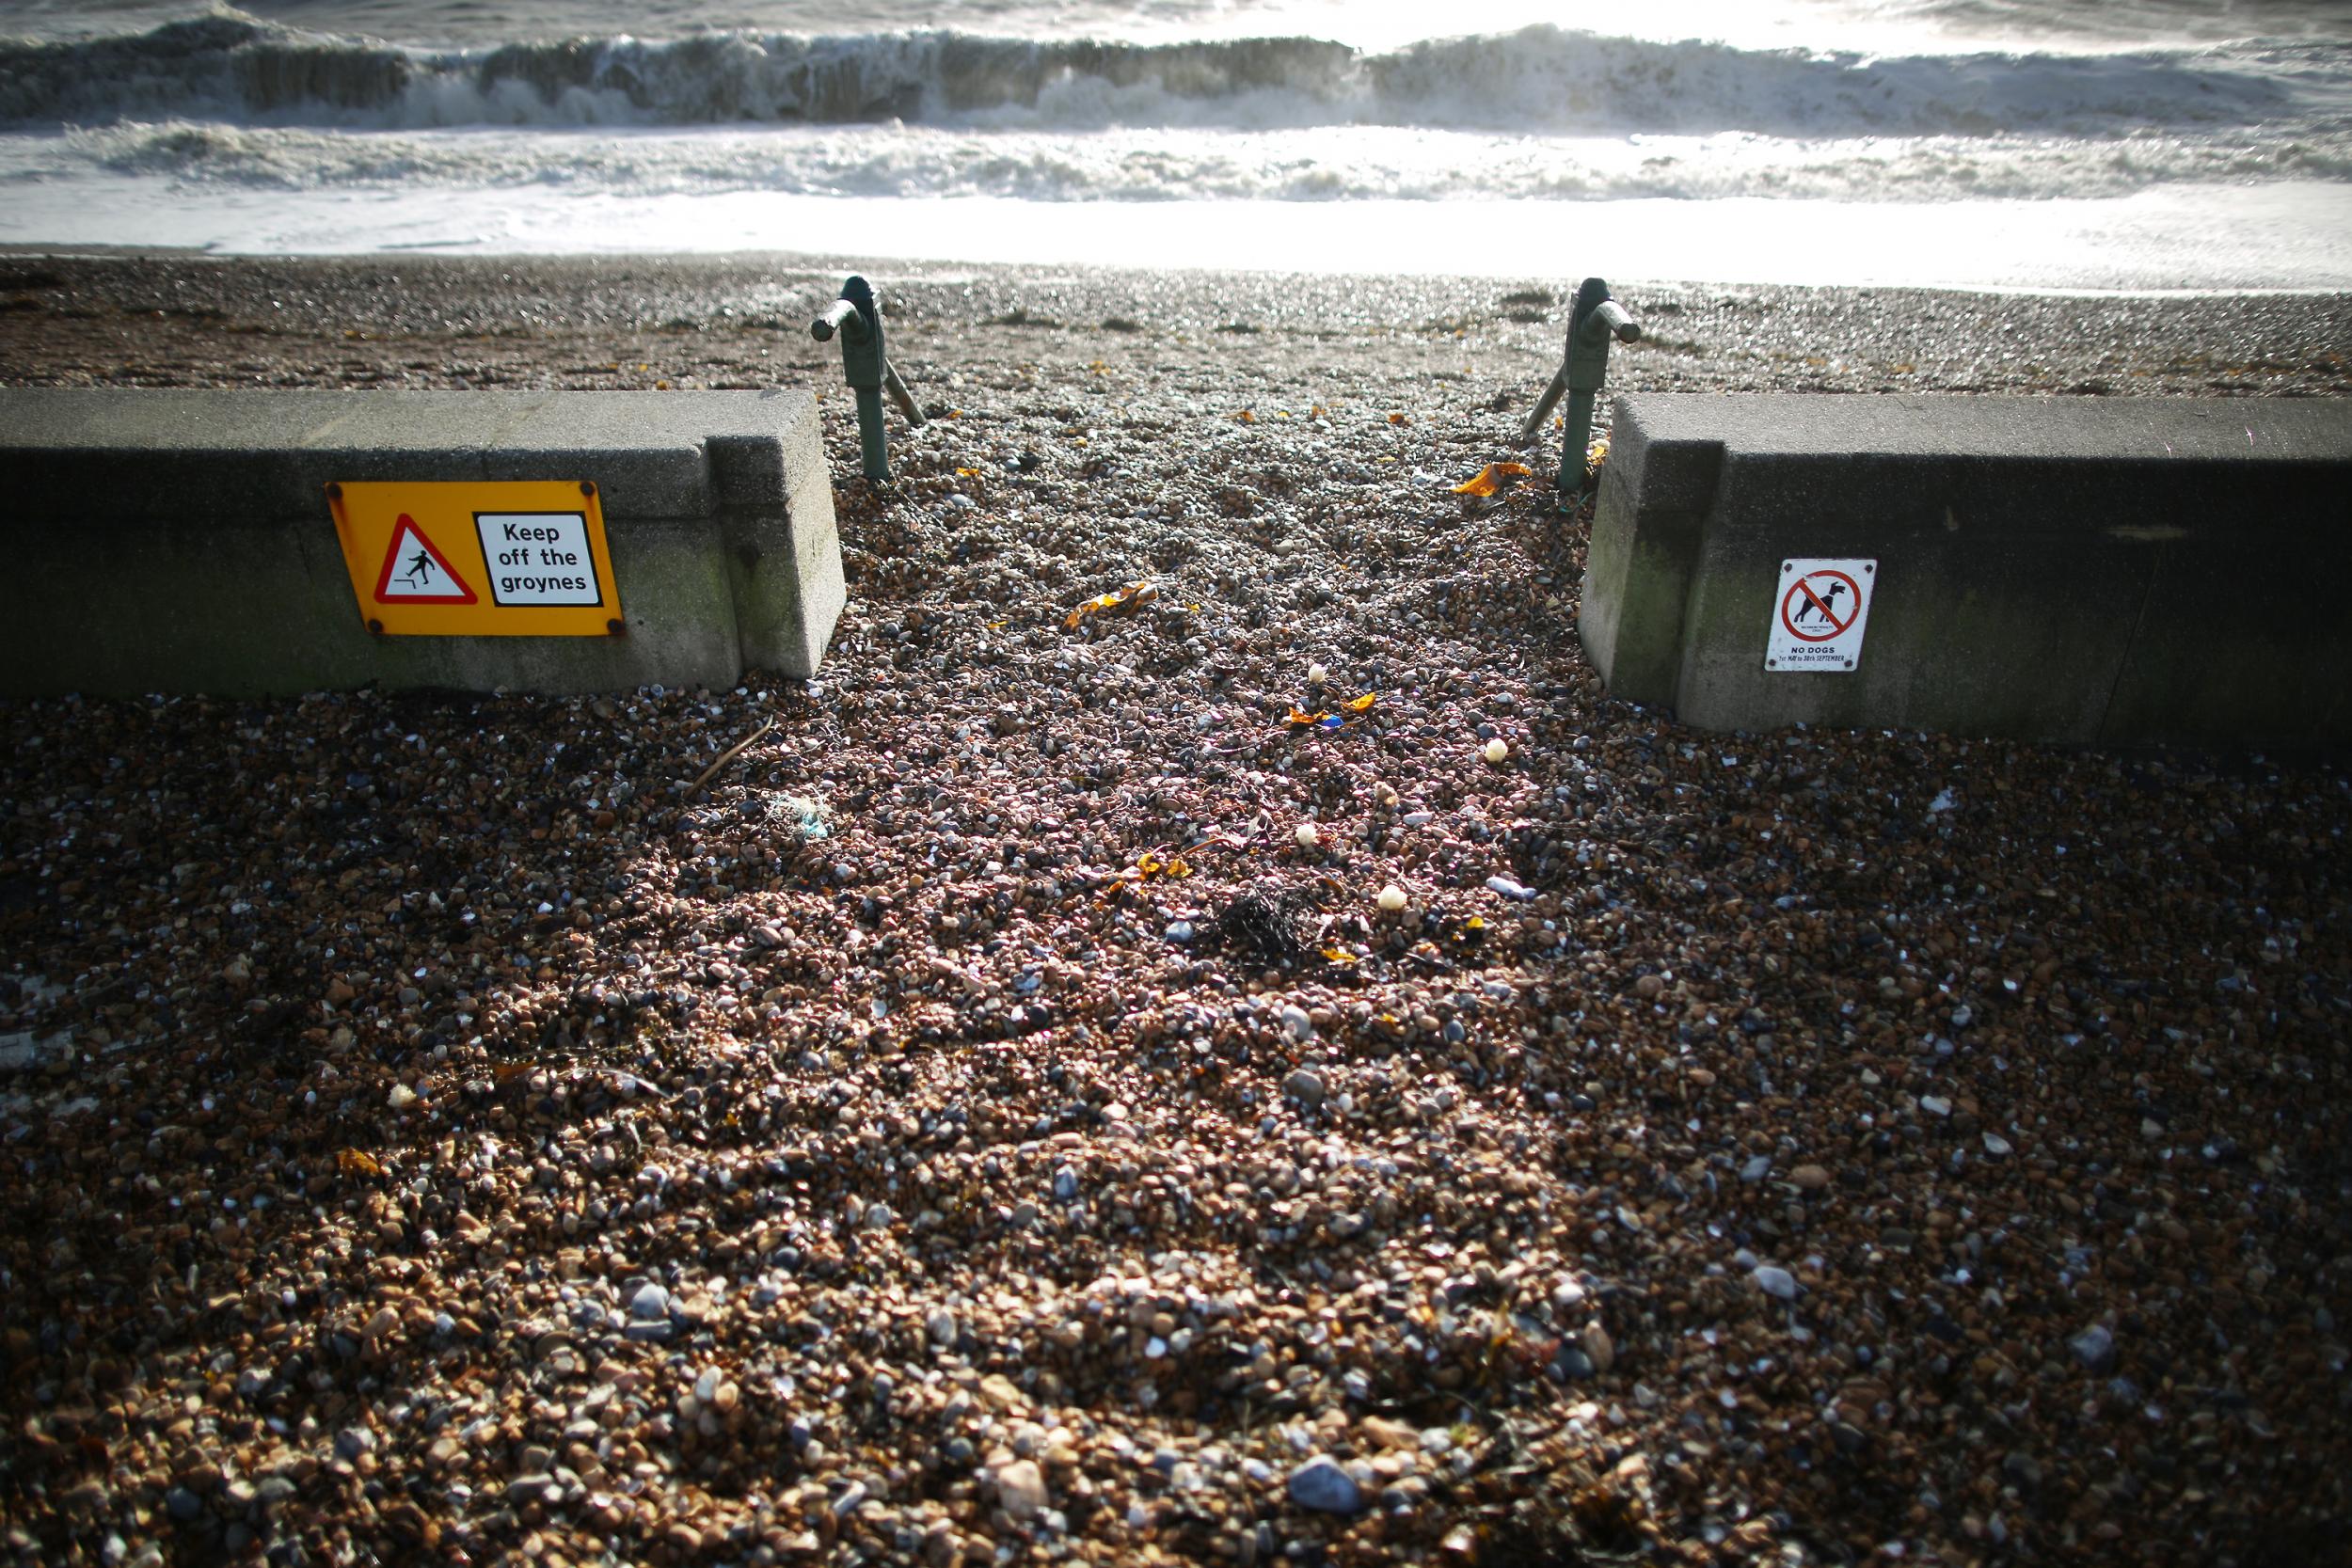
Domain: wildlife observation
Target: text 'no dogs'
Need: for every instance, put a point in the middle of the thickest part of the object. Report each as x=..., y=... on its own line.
x=1819, y=614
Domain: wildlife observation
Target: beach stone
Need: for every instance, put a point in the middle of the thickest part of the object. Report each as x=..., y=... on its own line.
x=1812, y=1178
x=2095, y=1347
x=1322, y=1487
x=1021, y=1488
x=1306, y=1087
x=21, y=1050
x=1776, y=1281
x=651, y=1304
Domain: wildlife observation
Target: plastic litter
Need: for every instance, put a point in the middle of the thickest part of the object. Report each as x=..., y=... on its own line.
x=1122, y=601
x=1493, y=478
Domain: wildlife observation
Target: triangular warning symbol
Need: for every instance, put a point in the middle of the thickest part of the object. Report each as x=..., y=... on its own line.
x=416, y=571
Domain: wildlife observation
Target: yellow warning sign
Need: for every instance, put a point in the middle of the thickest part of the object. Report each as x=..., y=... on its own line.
x=478, y=558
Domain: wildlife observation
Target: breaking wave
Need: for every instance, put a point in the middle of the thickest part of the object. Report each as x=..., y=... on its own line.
x=231, y=69
x=1160, y=165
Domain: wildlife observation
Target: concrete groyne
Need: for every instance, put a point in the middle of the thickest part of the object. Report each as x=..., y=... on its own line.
x=213, y=541
x=2117, y=571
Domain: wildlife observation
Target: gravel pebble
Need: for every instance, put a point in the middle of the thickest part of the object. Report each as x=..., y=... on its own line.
x=1322, y=1486
x=1020, y=1489
x=2095, y=1347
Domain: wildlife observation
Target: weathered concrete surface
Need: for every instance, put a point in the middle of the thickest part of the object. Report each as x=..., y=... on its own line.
x=2118, y=570
x=168, y=540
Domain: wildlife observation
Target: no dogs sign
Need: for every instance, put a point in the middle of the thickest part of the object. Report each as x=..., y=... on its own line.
x=478, y=558
x=1818, y=615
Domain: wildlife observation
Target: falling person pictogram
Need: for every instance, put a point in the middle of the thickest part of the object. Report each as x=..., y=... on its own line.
x=416, y=572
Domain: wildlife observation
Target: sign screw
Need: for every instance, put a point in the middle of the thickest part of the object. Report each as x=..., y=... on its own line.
x=617, y=628
x=334, y=492
x=587, y=487
x=375, y=626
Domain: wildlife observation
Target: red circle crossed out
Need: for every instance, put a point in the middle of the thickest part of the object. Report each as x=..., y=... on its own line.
x=1799, y=592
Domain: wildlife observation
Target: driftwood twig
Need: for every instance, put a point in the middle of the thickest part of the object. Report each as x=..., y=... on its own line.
x=726, y=756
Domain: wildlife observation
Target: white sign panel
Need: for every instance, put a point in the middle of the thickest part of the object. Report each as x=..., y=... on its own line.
x=1818, y=615
x=539, y=556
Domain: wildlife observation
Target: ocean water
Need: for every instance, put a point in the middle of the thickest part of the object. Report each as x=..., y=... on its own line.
x=2058, y=144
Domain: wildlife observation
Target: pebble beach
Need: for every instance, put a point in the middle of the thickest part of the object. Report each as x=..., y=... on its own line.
x=1276, y=1068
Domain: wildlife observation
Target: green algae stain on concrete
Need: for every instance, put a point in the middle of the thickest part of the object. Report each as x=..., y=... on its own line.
x=1651, y=606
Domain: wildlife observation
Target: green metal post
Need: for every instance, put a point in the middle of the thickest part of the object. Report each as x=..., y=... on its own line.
x=1596, y=319
x=857, y=317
